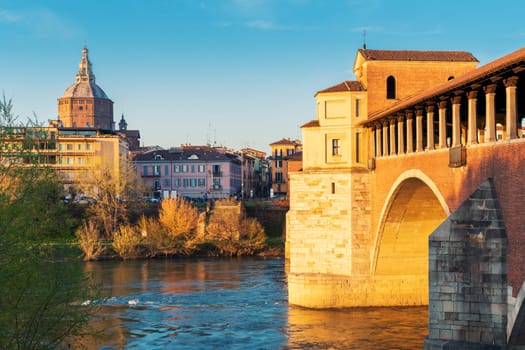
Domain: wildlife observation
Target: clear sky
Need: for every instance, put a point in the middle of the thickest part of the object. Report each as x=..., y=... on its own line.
x=237, y=73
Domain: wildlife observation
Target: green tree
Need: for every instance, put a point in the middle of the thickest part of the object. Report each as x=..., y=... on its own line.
x=43, y=288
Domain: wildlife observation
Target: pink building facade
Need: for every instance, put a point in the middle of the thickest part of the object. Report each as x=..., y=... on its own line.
x=196, y=172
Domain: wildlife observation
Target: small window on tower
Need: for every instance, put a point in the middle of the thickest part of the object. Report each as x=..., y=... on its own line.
x=390, y=87
x=336, y=147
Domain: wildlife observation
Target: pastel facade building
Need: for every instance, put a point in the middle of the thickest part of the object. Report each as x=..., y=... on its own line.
x=255, y=174
x=85, y=154
x=79, y=155
x=282, y=151
x=198, y=172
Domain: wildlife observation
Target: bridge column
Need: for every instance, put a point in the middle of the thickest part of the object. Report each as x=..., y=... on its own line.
x=372, y=139
x=400, y=134
x=385, y=137
x=456, y=129
x=430, y=127
x=490, y=121
x=510, y=90
x=410, y=137
x=392, y=121
x=472, y=117
x=442, y=124
x=378, y=139
x=419, y=130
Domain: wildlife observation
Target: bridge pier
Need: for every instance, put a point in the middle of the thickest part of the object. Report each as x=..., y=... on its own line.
x=468, y=276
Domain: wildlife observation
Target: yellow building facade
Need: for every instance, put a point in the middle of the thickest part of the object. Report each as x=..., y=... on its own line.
x=328, y=239
x=78, y=155
x=84, y=154
x=282, y=151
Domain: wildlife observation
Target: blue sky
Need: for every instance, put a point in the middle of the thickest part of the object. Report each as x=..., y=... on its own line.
x=237, y=73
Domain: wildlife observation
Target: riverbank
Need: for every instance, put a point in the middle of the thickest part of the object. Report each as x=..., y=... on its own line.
x=71, y=250
x=181, y=229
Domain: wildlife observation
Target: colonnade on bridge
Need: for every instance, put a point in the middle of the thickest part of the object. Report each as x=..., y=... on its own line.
x=472, y=114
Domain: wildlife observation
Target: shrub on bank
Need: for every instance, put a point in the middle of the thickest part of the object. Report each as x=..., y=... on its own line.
x=181, y=230
x=156, y=239
x=127, y=242
x=89, y=240
x=178, y=217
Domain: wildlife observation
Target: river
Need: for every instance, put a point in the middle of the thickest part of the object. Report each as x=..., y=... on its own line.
x=232, y=304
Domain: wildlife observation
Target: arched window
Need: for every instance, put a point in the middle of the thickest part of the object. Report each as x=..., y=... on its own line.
x=390, y=87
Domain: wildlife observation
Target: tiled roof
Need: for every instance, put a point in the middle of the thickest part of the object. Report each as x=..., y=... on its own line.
x=413, y=55
x=478, y=75
x=347, y=85
x=185, y=154
x=311, y=124
x=284, y=142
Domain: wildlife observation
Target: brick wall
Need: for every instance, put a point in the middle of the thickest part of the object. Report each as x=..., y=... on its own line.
x=499, y=161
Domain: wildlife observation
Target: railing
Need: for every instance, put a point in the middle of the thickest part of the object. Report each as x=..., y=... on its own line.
x=157, y=174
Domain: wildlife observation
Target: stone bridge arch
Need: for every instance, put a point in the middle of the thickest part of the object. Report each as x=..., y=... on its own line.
x=414, y=207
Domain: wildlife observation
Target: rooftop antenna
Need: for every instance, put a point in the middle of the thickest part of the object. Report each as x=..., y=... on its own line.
x=364, y=39
x=208, y=141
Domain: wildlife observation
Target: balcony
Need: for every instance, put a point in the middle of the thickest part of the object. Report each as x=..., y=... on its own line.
x=154, y=174
x=217, y=174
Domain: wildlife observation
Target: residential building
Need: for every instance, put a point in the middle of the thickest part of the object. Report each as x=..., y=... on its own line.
x=295, y=163
x=198, y=172
x=255, y=174
x=78, y=154
x=282, y=151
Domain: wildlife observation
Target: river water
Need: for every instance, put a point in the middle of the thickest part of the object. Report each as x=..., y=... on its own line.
x=232, y=304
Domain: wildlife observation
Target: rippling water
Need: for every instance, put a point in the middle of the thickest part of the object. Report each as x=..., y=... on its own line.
x=232, y=304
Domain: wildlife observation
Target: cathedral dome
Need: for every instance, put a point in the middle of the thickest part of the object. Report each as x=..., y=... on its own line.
x=84, y=89
x=85, y=85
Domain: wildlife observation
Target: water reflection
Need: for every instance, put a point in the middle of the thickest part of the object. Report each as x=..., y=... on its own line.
x=357, y=328
x=232, y=304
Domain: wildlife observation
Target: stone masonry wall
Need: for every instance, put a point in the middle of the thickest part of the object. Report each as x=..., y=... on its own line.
x=319, y=222
x=468, y=276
